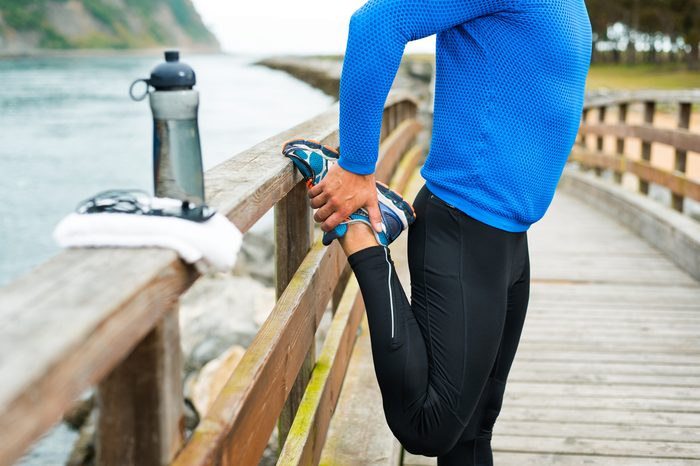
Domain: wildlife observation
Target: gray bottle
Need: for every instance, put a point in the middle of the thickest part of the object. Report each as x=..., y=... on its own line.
x=177, y=154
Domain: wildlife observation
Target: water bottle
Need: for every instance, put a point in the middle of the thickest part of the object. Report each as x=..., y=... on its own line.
x=177, y=154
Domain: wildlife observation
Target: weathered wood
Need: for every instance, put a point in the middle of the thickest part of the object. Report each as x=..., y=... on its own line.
x=308, y=433
x=678, y=183
x=616, y=98
x=360, y=405
x=237, y=428
x=503, y=458
x=141, y=403
x=681, y=156
x=596, y=430
x=294, y=234
x=59, y=338
x=600, y=140
x=680, y=138
x=620, y=142
x=676, y=235
x=649, y=111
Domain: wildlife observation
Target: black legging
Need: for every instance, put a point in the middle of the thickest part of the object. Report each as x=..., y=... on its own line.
x=442, y=362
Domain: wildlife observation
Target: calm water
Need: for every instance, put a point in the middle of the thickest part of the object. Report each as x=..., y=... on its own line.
x=68, y=130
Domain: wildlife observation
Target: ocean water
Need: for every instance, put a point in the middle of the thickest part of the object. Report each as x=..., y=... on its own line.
x=68, y=129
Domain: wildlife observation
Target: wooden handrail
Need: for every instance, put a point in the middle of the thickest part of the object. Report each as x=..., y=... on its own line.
x=69, y=323
x=629, y=97
x=681, y=139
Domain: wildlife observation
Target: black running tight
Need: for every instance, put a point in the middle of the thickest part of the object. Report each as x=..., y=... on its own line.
x=442, y=361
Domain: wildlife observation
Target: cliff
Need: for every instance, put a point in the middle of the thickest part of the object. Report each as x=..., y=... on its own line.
x=31, y=25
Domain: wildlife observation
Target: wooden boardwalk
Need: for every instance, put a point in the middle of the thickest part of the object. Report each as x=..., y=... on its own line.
x=608, y=371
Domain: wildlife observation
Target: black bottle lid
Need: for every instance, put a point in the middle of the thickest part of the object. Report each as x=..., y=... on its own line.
x=173, y=74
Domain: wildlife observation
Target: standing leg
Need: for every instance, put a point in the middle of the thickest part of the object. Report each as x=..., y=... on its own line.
x=474, y=447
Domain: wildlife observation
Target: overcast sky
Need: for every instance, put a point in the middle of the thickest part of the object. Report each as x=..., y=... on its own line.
x=285, y=26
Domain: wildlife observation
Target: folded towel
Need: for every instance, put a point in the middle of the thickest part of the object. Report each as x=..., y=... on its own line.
x=211, y=245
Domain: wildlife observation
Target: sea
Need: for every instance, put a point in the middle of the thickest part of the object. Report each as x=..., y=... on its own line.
x=68, y=130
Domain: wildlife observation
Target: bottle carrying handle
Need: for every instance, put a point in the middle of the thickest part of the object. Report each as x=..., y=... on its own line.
x=145, y=93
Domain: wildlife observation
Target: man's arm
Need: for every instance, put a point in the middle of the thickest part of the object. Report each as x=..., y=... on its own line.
x=378, y=35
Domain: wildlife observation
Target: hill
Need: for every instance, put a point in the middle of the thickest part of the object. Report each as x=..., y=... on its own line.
x=30, y=25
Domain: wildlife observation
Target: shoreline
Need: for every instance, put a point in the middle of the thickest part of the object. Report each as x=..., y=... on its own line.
x=99, y=53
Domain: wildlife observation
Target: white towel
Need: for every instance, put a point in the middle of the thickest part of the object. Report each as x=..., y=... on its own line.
x=212, y=245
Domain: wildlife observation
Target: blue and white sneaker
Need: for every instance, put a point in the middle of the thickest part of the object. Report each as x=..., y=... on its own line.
x=397, y=215
x=311, y=158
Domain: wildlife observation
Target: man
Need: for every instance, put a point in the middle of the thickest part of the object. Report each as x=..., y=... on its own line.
x=510, y=77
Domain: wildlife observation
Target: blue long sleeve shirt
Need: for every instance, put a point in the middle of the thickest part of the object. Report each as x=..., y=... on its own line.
x=509, y=87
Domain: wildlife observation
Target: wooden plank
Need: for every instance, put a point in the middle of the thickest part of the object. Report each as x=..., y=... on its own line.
x=42, y=370
x=308, y=433
x=294, y=234
x=679, y=138
x=237, y=428
x=602, y=447
x=347, y=443
x=616, y=98
x=617, y=417
x=676, y=182
x=640, y=368
x=593, y=430
x=604, y=402
x=502, y=458
x=141, y=403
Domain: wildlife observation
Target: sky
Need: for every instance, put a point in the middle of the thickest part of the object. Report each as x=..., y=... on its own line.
x=270, y=27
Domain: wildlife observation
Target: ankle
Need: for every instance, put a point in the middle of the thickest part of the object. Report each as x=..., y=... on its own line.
x=358, y=237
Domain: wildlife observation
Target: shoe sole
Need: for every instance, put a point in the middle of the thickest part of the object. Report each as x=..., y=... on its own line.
x=326, y=152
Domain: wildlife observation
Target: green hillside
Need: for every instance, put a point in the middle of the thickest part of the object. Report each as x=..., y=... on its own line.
x=120, y=24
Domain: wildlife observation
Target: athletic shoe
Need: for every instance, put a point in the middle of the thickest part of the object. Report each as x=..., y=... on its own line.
x=311, y=158
x=397, y=214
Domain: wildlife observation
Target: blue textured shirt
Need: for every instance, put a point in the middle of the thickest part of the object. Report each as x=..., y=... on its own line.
x=509, y=87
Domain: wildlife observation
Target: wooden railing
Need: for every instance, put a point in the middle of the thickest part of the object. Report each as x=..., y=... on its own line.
x=680, y=138
x=109, y=317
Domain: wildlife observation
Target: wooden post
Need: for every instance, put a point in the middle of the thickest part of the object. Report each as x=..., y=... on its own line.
x=584, y=118
x=620, y=149
x=600, y=140
x=649, y=110
x=141, y=404
x=294, y=234
x=684, y=112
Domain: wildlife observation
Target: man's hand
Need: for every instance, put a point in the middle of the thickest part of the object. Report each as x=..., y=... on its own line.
x=340, y=194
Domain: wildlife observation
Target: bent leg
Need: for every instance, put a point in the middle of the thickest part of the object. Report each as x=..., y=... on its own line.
x=432, y=359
